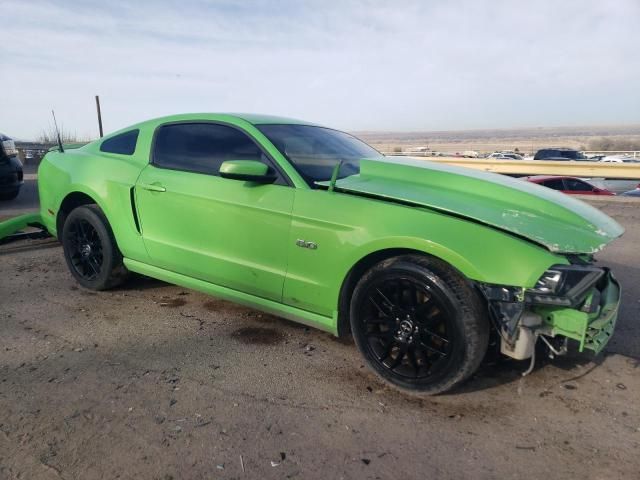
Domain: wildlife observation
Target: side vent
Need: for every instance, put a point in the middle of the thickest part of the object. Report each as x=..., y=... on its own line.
x=134, y=210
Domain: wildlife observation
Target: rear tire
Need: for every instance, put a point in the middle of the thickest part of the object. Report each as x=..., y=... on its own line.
x=419, y=324
x=90, y=249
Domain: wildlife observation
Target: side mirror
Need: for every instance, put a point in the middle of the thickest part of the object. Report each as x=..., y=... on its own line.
x=248, y=170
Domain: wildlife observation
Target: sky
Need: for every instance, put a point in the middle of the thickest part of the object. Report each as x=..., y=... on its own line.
x=353, y=65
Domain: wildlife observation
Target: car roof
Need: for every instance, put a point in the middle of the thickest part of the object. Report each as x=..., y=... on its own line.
x=232, y=118
x=252, y=118
x=259, y=119
x=562, y=149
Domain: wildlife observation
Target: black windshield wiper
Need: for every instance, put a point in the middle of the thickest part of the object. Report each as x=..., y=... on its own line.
x=334, y=175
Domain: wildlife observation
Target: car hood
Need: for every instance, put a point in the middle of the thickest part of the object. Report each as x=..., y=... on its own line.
x=552, y=219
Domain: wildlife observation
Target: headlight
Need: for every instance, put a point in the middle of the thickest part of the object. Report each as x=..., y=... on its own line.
x=9, y=148
x=564, y=285
x=549, y=283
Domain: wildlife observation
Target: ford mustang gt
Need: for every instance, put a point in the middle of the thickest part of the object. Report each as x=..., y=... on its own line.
x=423, y=264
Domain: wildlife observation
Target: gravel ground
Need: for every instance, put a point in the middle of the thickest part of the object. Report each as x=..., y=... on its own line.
x=155, y=381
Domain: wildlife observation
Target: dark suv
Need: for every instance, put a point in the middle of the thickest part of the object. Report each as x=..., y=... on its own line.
x=10, y=169
x=559, y=154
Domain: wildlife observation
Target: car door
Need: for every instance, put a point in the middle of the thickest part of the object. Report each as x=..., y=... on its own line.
x=228, y=232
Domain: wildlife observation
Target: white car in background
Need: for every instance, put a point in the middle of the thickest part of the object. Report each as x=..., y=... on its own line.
x=506, y=156
x=619, y=159
x=468, y=154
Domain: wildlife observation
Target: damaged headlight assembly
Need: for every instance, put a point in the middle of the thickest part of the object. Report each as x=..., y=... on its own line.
x=563, y=285
x=513, y=309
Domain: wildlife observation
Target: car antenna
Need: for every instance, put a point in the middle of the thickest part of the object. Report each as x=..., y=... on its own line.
x=57, y=132
x=334, y=175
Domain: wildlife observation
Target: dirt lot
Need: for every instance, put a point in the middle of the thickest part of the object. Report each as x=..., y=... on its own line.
x=154, y=381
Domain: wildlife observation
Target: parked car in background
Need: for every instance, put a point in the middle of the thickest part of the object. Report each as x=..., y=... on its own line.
x=422, y=152
x=11, y=175
x=619, y=159
x=570, y=185
x=506, y=156
x=632, y=193
x=470, y=154
x=560, y=154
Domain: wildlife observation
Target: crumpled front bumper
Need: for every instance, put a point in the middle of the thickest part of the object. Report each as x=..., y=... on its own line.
x=15, y=224
x=592, y=325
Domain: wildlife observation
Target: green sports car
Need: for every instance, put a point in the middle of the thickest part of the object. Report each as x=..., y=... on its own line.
x=425, y=264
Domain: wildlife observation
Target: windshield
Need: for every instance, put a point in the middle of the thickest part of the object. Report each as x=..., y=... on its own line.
x=315, y=151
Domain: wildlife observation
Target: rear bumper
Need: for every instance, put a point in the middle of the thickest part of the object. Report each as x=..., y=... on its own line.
x=593, y=324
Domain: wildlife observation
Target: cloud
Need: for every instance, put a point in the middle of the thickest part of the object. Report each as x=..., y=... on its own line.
x=407, y=65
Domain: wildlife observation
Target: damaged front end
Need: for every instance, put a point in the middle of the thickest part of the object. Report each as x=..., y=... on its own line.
x=12, y=228
x=578, y=302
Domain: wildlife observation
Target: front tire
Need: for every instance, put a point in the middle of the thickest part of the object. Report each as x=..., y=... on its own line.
x=90, y=249
x=419, y=324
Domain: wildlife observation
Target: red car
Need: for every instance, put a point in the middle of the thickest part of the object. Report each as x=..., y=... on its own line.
x=570, y=185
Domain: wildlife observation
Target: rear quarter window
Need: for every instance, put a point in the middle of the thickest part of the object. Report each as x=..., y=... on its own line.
x=122, y=144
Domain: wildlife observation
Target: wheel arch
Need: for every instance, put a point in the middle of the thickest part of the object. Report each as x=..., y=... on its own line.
x=70, y=202
x=116, y=200
x=360, y=267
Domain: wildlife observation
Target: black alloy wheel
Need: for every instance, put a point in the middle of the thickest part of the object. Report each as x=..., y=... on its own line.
x=85, y=249
x=90, y=249
x=419, y=324
x=407, y=327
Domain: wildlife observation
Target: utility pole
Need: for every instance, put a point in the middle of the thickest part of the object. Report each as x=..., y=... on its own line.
x=99, y=115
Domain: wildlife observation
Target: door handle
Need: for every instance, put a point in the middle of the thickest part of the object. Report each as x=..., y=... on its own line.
x=152, y=187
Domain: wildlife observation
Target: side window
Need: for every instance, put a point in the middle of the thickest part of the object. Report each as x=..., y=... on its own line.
x=555, y=184
x=577, y=185
x=202, y=147
x=124, y=144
